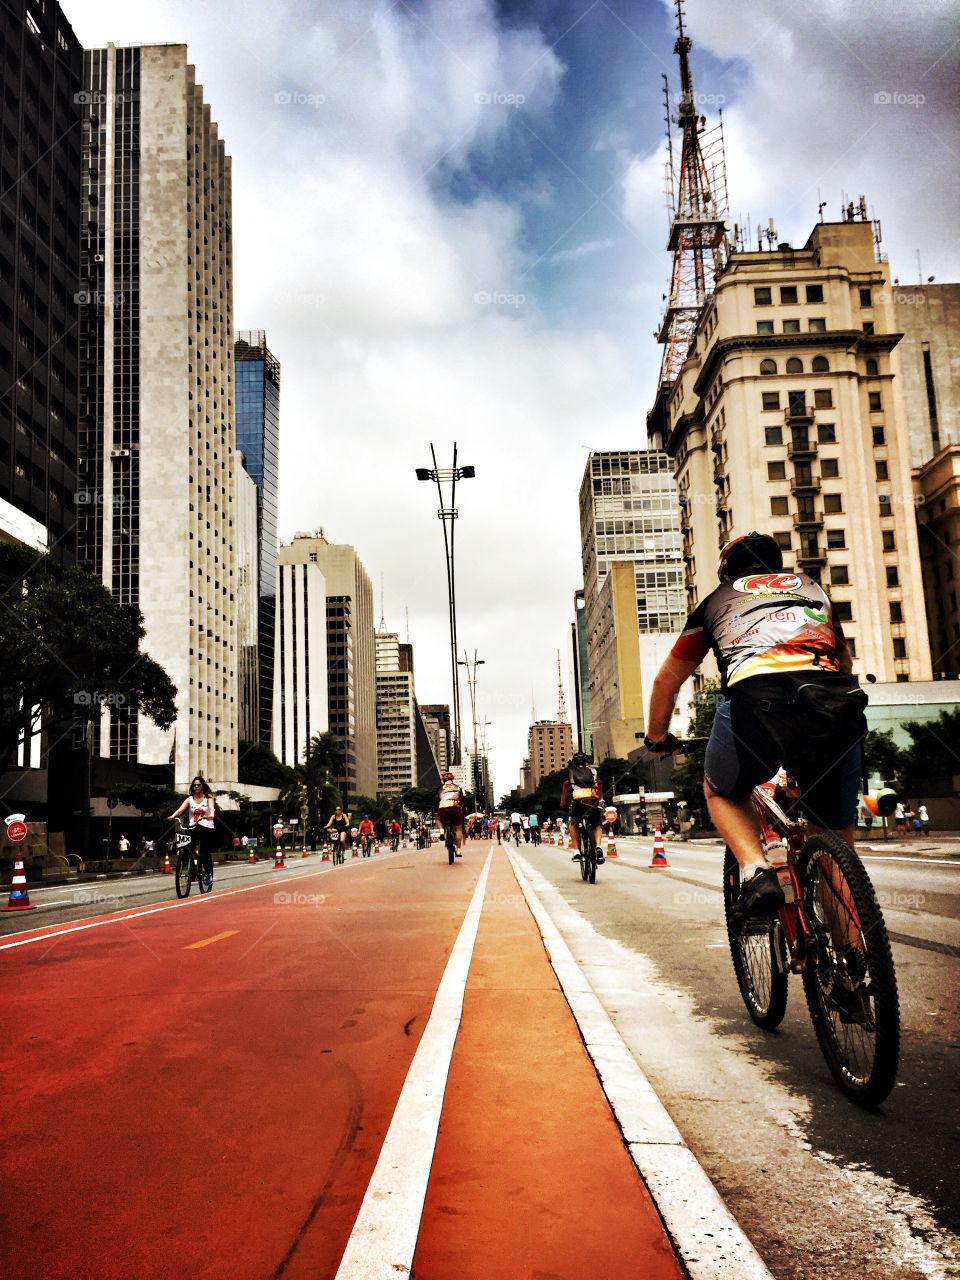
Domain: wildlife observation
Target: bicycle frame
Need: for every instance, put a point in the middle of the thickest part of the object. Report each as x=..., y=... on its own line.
x=776, y=824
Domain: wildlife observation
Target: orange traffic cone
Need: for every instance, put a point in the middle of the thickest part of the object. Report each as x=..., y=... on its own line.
x=326, y=853
x=659, y=853
x=611, y=845
x=303, y=853
x=278, y=860
x=19, y=897
x=167, y=869
x=251, y=859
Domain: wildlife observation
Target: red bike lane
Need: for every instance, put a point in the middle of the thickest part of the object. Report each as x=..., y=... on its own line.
x=199, y=1091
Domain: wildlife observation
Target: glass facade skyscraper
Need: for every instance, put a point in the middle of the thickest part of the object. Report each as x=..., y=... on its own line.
x=257, y=397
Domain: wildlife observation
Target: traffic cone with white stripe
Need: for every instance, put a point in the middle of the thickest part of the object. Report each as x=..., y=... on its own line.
x=659, y=852
x=19, y=897
x=251, y=859
x=326, y=852
x=167, y=869
x=611, y=844
x=278, y=862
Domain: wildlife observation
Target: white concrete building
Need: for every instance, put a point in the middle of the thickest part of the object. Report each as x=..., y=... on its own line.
x=300, y=694
x=396, y=718
x=156, y=401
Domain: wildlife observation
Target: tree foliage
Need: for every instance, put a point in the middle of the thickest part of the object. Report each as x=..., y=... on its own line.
x=257, y=766
x=67, y=648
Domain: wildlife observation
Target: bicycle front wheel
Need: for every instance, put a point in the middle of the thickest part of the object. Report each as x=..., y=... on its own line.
x=184, y=877
x=849, y=980
x=451, y=849
x=758, y=952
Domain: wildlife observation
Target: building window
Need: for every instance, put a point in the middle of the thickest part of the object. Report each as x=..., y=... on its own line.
x=783, y=541
x=823, y=399
x=899, y=647
x=878, y=436
x=881, y=470
x=788, y=293
x=868, y=327
x=771, y=399
x=829, y=468
x=889, y=540
x=852, y=646
x=873, y=399
x=762, y=297
x=820, y=364
x=817, y=325
x=884, y=500
x=827, y=432
x=893, y=576
x=773, y=435
x=764, y=326
x=791, y=326
x=866, y=298
x=873, y=369
x=896, y=611
x=767, y=367
x=776, y=471
x=832, y=503
x=779, y=507
x=839, y=575
x=814, y=292
x=794, y=365
x=843, y=610
x=836, y=538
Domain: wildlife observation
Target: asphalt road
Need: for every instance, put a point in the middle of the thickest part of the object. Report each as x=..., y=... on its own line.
x=823, y=1188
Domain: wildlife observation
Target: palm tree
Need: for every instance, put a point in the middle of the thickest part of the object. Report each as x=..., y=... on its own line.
x=324, y=760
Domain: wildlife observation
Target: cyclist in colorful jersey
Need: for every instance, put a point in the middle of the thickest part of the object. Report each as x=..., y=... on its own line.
x=582, y=792
x=450, y=801
x=790, y=700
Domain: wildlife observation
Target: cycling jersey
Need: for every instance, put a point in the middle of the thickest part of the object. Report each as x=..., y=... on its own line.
x=763, y=624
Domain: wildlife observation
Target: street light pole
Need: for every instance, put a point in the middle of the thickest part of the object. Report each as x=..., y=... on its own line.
x=449, y=514
x=472, y=686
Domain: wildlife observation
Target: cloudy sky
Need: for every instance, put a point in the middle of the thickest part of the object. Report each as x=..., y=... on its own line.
x=449, y=219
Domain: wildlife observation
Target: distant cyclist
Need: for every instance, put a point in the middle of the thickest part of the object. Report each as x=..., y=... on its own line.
x=339, y=824
x=534, y=825
x=581, y=793
x=790, y=700
x=450, y=801
x=365, y=831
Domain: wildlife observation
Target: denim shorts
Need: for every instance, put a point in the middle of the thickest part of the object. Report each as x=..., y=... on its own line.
x=758, y=730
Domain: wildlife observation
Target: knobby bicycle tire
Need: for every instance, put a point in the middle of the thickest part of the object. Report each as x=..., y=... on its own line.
x=451, y=847
x=758, y=951
x=850, y=982
x=203, y=884
x=183, y=880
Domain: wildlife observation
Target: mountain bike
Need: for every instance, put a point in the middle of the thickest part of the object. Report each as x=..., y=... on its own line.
x=366, y=845
x=831, y=931
x=587, y=849
x=188, y=863
x=395, y=842
x=450, y=840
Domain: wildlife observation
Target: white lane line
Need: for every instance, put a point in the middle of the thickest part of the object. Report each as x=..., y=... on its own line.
x=705, y=1233
x=914, y=862
x=122, y=918
x=384, y=1236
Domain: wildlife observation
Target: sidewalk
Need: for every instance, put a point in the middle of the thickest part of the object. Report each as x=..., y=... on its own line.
x=530, y=1175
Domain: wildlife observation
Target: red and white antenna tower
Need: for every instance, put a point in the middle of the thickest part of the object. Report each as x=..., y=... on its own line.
x=697, y=204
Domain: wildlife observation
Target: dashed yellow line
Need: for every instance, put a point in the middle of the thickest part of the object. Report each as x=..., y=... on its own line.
x=217, y=937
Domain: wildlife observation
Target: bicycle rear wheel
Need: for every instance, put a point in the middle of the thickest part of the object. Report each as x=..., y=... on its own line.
x=759, y=956
x=184, y=877
x=451, y=846
x=849, y=981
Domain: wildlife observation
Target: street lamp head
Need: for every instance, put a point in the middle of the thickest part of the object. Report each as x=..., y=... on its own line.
x=424, y=473
x=467, y=473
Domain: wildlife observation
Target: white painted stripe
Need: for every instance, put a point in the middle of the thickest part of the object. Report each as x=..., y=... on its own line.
x=915, y=861
x=705, y=1233
x=384, y=1236
x=207, y=898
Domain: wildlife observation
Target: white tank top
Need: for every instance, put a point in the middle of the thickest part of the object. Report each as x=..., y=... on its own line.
x=198, y=813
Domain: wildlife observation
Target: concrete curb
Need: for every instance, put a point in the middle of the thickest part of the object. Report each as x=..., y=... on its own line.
x=707, y=1237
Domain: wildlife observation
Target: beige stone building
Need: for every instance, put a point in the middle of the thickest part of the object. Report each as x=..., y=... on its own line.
x=396, y=717
x=927, y=361
x=787, y=417
x=939, y=518
x=156, y=402
x=549, y=748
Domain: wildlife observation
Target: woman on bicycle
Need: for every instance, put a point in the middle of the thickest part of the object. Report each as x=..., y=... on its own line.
x=203, y=811
x=339, y=824
x=790, y=700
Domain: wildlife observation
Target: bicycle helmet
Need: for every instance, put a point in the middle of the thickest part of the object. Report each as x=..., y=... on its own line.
x=446, y=776
x=579, y=758
x=757, y=551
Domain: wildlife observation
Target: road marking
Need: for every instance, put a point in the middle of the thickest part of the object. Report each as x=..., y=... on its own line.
x=705, y=1233
x=914, y=862
x=119, y=918
x=384, y=1236
x=217, y=937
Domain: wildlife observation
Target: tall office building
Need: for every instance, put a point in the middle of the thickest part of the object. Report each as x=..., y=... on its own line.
x=396, y=716
x=156, y=378
x=248, y=601
x=788, y=417
x=549, y=748
x=351, y=662
x=926, y=363
x=257, y=373
x=300, y=697
x=580, y=669
x=39, y=272
x=436, y=720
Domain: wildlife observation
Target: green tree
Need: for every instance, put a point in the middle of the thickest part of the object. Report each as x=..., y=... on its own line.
x=687, y=780
x=257, y=766
x=67, y=647
x=612, y=772
x=932, y=760
x=146, y=797
x=883, y=758
x=323, y=763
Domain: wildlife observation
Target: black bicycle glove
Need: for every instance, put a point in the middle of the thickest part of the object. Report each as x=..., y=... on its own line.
x=665, y=746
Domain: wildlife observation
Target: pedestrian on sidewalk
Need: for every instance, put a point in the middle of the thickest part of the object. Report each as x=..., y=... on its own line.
x=900, y=817
x=924, y=818
x=124, y=846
